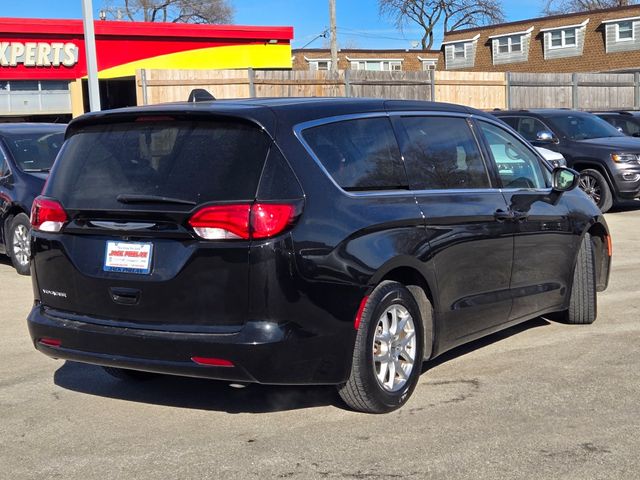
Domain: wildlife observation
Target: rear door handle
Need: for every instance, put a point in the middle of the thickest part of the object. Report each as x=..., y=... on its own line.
x=125, y=296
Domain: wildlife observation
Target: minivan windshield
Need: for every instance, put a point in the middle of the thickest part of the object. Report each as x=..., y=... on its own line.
x=583, y=126
x=34, y=151
x=148, y=164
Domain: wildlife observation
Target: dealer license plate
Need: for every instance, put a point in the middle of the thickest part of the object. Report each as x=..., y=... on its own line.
x=128, y=257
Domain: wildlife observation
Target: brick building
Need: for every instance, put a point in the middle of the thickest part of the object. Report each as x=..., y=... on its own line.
x=357, y=59
x=597, y=41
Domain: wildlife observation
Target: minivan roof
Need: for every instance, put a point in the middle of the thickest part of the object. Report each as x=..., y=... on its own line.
x=267, y=111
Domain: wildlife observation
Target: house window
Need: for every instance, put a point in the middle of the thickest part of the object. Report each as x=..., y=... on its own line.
x=510, y=44
x=319, y=64
x=624, y=31
x=459, y=50
x=377, y=65
x=429, y=65
x=563, y=38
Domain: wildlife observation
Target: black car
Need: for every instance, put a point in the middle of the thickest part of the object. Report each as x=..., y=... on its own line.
x=626, y=121
x=608, y=161
x=303, y=241
x=27, y=151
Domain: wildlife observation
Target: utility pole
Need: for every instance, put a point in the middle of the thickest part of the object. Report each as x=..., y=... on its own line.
x=92, y=62
x=333, y=35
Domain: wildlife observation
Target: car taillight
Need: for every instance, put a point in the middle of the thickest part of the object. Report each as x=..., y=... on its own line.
x=269, y=219
x=222, y=222
x=242, y=221
x=47, y=215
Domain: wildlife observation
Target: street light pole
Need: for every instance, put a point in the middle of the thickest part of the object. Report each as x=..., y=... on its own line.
x=334, y=39
x=92, y=62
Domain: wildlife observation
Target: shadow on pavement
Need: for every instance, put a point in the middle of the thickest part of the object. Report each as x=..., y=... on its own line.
x=485, y=341
x=625, y=207
x=204, y=394
x=194, y=393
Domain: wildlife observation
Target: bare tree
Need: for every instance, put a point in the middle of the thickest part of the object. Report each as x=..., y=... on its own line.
x=451, y=14
x=182, y=11
x=469, y=13
x=556, y=7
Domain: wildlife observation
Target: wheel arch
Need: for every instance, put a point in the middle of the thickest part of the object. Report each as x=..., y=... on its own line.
x=11, y=212
x=582, y=164
x=417, y=284
x=600, y=239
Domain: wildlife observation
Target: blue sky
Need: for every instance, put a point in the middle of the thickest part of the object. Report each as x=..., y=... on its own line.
x=359, y=24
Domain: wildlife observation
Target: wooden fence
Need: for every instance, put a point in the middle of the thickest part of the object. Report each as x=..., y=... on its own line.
x=483, y=90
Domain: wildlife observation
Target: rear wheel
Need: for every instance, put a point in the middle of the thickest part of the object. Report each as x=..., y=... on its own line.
x=583, y=300
x=19, y=243
x=593, y=183
x=388, y=353
x=129, y=375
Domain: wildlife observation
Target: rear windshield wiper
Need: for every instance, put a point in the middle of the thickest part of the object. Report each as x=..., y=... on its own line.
x=132, y=198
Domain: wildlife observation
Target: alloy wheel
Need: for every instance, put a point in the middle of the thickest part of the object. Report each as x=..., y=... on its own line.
x=394, y=348
x=21, y=245
x=591, y=187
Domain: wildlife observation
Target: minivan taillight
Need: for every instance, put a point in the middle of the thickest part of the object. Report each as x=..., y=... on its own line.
x=47, y=215
x=242, y=221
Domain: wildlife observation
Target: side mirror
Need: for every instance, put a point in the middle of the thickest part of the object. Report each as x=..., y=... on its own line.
x=564, y=179
x=546, y=136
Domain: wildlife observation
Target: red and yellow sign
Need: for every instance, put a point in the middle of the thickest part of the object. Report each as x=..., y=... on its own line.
x=54, y=49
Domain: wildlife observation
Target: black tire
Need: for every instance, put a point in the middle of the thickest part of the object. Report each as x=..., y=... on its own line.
x=363, y=391
x=18, y=243
x=583, y=301
x=593, y=183
x=129, y=375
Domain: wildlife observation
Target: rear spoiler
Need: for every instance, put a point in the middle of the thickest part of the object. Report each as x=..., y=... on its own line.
x=200, y=95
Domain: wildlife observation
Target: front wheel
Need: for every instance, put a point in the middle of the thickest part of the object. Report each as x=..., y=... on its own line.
x=387, y=356
x=593, y=183
x=19, y=243
x=583, y=300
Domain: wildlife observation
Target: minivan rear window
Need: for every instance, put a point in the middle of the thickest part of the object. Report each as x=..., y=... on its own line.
x=359, y=154
x=194, y=161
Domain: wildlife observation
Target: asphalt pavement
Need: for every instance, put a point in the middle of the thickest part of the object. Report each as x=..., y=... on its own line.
x=542, y=400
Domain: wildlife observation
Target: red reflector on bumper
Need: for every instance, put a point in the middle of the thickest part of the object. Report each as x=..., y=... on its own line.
x=212, y=362
x=50, y=342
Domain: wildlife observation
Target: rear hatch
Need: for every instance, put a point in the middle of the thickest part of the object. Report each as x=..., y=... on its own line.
x=129, y=252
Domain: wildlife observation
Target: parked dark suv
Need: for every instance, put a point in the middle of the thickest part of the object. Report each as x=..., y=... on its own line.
x=608, y=161
x=626, y=121
x=303, y=241
x=27, y=151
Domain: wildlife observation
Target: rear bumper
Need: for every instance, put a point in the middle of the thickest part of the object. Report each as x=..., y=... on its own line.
x=262, y=352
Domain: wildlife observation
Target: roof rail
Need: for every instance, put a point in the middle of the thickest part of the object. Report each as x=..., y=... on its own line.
x=200, y=95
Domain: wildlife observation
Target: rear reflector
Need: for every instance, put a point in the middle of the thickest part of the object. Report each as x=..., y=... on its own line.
x=363, y=303
x=47, y=215
x=50, y=342
x=242, y=221
x=212, y=362
x=609, y=246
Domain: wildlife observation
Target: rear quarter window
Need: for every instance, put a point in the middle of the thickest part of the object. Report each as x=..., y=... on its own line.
x=359, y=154
x=196, y=161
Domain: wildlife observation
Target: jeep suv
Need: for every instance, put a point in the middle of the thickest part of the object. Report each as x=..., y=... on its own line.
x=625, y=121
x=608, y=161
x=27, y=151
x=303, y=241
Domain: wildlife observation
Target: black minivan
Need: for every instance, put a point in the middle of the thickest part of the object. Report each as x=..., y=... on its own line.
x=303, y=241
